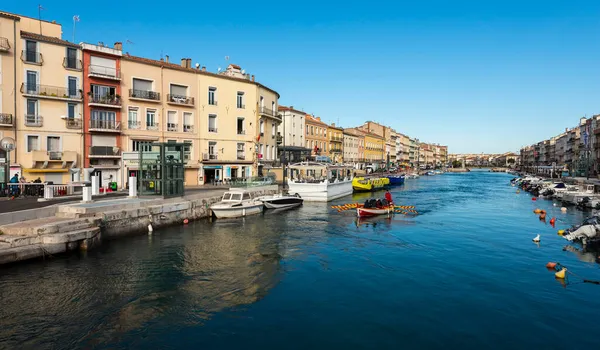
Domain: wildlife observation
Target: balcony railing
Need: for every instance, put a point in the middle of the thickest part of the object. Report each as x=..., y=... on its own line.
x=4, y=44
x=279, y=139
x=172, y=127
x=266, y=111
x=47, y=91
x=213, y=102
x=209, y=156
x=109, y=100
x=152, y=126
x=72, y=63
x=143, y=94
x=110, y=125
x=188, y=128
x=212, y=129
x=104, y=72
x=33, y=120
x=134, y=124
x=32, y=57
x=241, y=132
x=105, y=151
x=241, y=156
x=72, y=123
x=241, y=106
x=180, y=99
x=6, y=119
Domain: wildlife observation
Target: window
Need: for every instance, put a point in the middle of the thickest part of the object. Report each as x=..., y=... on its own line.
x=273, y=129
x=262, y=128
x=71, y=108
x=143, y=89
x=240, y=151
x=307, y=130
x=188, y=125
x=312, y=130
x=31, y=52
x=102, y=93
x=151, y=118
x=274, y=155
x=262, y=102
x=143, y=146
x=72, y=86
x=172, y=121
x=103, y=66
x=132, y=118
x=262, y=149
x=246, y=195
x=212, y=96
x=240, y=126
x=103, y=120
x=212, y=123
x=266, y=154
x=240, y=100
x=273, y=107
x=32, y=143
x=31, y=108
x=71, y=61
x=32, y=82
x=53, y=144
x=212, y=150
x=187, y=150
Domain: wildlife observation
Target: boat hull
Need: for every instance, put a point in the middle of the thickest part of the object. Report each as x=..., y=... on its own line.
x=396, y=180
x=368, y=212
x=282, y=203
x=322, y=191
x=236, y=212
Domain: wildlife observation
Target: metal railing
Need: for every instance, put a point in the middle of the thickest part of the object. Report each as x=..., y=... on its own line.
x=172, y=127
x=147, y=95
x=50, y=91
x=213, y=102
x=55, y=155
x=33, y=120
x=4, y=45
x=72, y=63
x=134, y=124
x=105, y=124
x=32, y=57
x=212, y=129
x=241, y=132
x=241, y=156
x=112, y=100
x=209, y=156
x=6, y=119
x=106, y=151
x=72, y=123
x=154, y=126
x=251, y=181
x=180, y=99
x=241, y=106
x=104, y=72
x=188, y=128
x=266, y=111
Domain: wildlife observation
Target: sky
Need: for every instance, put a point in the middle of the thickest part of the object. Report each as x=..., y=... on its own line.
x=479, y=76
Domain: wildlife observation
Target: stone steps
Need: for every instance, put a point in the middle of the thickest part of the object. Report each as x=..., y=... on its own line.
x=31, y=251
x=47, y=226
x=71, y=236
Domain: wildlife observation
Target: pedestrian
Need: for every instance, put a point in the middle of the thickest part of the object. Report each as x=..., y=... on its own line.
x=14, y=188
x=388, y=197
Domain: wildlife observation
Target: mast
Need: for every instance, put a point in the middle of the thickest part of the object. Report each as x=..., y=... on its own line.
x=283, y=141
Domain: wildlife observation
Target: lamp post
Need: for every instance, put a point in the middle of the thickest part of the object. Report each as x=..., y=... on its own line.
x=7, y=144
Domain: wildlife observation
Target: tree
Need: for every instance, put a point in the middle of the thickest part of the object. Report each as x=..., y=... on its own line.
x=456, y=164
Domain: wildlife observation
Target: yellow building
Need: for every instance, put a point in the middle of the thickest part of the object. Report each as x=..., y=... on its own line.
x=335, y=137
x=316, y=135
x=268, y=119
x=41, y=99
x=374, y=148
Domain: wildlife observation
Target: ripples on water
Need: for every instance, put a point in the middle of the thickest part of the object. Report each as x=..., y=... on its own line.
x=463, y=274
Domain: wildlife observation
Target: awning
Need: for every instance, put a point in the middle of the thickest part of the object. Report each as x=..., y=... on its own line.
x=36, y=170
x=213, y=167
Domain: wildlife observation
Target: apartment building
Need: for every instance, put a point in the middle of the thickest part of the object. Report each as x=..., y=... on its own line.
x=353, y=146
x=268, y=119
x=374, y=149
x=316, y=135
x=403, y=149
x=336, y=143
x=394, y=147
x=294, y=122
x=413, y=153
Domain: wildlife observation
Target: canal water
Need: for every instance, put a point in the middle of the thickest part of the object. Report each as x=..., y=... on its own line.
x=462, y=274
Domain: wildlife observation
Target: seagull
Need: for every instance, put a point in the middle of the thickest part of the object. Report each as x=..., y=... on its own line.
x=536, y=239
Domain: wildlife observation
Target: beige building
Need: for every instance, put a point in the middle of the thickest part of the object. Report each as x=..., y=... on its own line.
x=268, y=120
x=40, y=101
x=295, y=122
x=335, y=135
x=352, y=141
x=403, y=149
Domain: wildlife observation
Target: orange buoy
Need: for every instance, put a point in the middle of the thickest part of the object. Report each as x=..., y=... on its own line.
x=543, y=212
x=533, y=199
x=542, y=216
x=551, y=265
x=185, y=221
x=553, y=220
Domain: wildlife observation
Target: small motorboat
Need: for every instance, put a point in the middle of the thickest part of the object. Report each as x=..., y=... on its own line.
x=396, y=180
x=374, y=207
x=236, y=203
x=281, y=201
x=362, y=184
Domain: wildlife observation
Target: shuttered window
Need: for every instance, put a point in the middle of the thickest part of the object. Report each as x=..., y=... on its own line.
x=178, y=90
x=142, y=85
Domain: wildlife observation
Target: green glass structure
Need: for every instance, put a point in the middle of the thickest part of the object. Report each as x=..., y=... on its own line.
x=161, y=169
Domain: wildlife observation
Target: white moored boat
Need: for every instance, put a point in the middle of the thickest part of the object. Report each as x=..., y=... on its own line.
x=281, y=201
x=320, y=182
x=236, y=203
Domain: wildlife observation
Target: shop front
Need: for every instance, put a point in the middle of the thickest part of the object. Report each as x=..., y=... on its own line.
x=219, y=174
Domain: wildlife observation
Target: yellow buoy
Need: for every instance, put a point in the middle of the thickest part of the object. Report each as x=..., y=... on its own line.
x=537, y=211
x=561, y=274
x=561, y=232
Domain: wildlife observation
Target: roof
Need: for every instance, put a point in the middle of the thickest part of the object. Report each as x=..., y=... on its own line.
x=9, y=15
x=284, y=109
x=311, y=119
x=235, y=66
x=175, y=66
x=48, y=39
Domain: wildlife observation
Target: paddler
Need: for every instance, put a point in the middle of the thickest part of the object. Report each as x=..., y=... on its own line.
x=388, y=197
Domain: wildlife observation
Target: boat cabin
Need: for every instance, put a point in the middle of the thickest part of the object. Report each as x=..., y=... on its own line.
x=236, y=196
x=312, y=172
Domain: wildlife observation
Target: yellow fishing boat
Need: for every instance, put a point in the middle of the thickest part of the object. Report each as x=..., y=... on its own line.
x=361, y=184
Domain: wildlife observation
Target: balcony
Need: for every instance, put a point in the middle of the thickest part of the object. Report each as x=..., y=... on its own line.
x=104, y=72
x=104, y=152
x=152, y=126
x=54, y=156
x=72, y=123
x=4, y=45
x=180, y=100
x=279, y=139
x=209, y=156
x=269, y=113
x=105, y=125
x=32, y=57
x=337, y=139
x=6, y=119
x=134, y=125
x=241, y=156
x=172, y=127
x=212, y=129
x=110, y=101
x=33, y=120
x=51, y=92
x=241, y=106
x=72, y=63
x=144, y=95
x=188, y=128
x=241, y=132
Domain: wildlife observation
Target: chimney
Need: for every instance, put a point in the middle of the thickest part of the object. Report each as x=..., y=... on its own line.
x=183, y=62
x=291, y=107
x=161, y=59
x=333, y=124
x=204, y=69
x=188, y=63
x=253, y=77
x=167, y=58
x=119, y=46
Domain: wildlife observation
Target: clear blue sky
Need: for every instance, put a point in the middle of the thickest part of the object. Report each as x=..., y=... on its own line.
x=479, y=76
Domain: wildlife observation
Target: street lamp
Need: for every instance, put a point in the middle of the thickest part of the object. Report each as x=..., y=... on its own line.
x=7, y=144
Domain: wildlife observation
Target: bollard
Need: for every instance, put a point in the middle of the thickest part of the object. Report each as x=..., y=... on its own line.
x=132, y=187
x=48, y=192
x=95, y=186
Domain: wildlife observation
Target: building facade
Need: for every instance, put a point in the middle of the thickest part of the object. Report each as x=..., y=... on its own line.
x=316, y=135
x=294, y=122
x=335, y=137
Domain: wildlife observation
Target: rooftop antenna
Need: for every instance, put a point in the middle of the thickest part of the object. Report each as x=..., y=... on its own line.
x=40, y=8
x=75, y=20
x=129, y=42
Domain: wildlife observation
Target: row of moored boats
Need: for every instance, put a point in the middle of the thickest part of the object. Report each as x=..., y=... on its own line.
x=239, y=202
x=581, y=195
